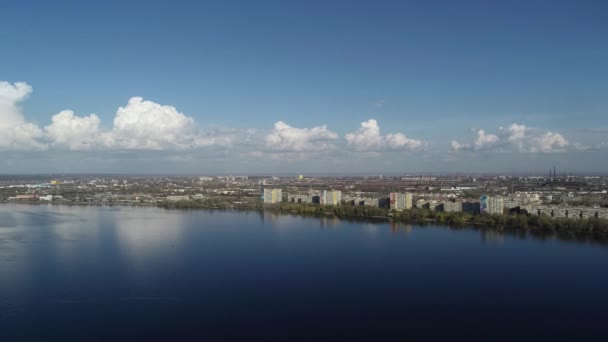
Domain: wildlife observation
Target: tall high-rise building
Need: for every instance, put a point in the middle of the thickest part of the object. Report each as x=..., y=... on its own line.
x=490, y=204
x=272, y=196
x=330, y=197
x=401, y=200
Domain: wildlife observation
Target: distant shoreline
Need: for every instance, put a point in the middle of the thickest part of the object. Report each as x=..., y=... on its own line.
x=594, y=228
x=83, y=204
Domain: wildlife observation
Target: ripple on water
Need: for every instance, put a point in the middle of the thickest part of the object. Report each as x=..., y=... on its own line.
x=7, y=220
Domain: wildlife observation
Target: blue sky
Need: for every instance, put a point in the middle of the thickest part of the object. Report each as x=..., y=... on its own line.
x=433, y=71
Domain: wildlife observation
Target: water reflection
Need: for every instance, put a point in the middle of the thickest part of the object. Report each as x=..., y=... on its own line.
x=400, y=227
x=267, y=216
x=12, y=272
x=148, y=234
x=371, y=228
x=326, y=222
x=492, y=236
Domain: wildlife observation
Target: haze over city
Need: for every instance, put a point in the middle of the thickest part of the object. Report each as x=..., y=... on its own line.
x=309, y=87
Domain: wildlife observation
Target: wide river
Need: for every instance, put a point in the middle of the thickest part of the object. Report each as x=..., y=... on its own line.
x=101, y=273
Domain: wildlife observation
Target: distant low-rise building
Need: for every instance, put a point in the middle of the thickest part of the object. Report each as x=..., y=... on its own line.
x=176, y=198
x=26, y=197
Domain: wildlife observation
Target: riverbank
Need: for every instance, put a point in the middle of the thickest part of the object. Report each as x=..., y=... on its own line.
x=542, y=223
x=535, y=223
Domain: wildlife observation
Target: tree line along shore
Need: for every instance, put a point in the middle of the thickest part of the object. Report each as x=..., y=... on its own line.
x=537, y=223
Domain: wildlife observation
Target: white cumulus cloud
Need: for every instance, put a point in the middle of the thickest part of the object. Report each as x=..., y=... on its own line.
x=140, y=125
x=73, y=132
x=482, y=142
x=15, y=132
x=549, y=142
x=368, y=138
x=527, y=139
x=286, y=138
x=148, y=125
x=399, y=140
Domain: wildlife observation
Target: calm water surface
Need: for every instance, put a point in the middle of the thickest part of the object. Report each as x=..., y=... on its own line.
x=99, y=273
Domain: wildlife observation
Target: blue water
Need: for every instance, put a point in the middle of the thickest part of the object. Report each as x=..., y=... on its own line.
x=99, y=273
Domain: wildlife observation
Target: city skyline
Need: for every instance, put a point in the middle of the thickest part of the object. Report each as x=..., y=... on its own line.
x=280, y=88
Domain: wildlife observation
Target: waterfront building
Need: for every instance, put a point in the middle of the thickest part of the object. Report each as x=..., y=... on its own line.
x=452, y=207
x=299, y=198
x=569, y=212
x=272, y=196
x=330, y=197
x=400, y=200
x=491, y=204
x=361, y=200
x=431, y=205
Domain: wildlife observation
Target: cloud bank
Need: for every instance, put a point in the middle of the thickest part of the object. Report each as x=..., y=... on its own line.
x=140, y=125
x=144, y=125
x=515, y=138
